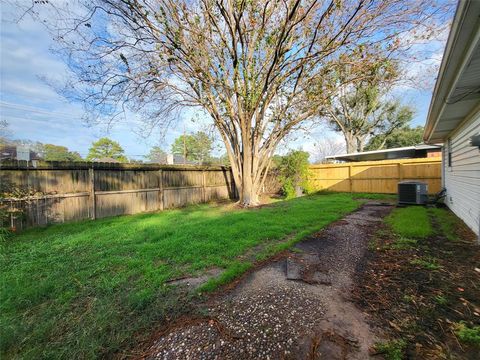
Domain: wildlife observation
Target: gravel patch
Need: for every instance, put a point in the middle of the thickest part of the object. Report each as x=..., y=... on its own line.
x=294, y=308
x=251, y=325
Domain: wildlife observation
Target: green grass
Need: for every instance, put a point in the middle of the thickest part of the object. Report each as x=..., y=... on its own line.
x=233, y=272
x=404, y=243
x=440, y=300
x=428, y=263
x=469, y=335
x=447, y=222
x=84, y=290
x=410, y=222
x=391, y=350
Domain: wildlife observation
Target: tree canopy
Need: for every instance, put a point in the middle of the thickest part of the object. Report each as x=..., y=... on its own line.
x=327, y=147
x=59, y=153
x=358, y=105
x=157, y=155
x=106, y=148
x=4, y=132
x=405, y=136
x=194, y=147
x=249, y=65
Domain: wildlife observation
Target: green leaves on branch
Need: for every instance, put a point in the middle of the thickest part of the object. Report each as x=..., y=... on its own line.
x=106, y=148
x=359, y=104
x=157, y=155
x=293, y=173
x=59, y=153
x=194, y=147
x=405, y=136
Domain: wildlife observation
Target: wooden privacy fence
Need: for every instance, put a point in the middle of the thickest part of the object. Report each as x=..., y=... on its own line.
x=376, y=176
x=60, y=192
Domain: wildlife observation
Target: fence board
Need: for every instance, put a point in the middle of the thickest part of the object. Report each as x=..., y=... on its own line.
x=65, y=192
x=376, y=176
x=70, y=192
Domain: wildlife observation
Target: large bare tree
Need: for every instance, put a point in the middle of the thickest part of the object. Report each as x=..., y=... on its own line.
x=327, y=146
x=249, y=64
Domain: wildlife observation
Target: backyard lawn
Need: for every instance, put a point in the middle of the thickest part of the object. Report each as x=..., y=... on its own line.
x=92, y=289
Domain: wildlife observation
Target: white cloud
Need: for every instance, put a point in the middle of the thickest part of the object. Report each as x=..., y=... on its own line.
x=35, y=111
x=41, y=114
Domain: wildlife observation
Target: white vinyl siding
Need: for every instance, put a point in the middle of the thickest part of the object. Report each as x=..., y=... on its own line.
x=462, y=178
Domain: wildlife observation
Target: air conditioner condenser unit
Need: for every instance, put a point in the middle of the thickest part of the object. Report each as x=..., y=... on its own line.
x=412, y=192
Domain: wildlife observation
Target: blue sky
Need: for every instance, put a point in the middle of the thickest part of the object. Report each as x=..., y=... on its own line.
x=35, y=111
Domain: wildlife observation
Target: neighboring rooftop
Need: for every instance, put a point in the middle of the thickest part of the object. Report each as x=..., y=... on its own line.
x=13, y=152
x=417, y=151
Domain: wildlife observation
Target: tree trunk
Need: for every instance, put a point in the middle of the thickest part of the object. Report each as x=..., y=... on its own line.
x=244, y=172
x=360, y=143
x=350, y=142
x=249, y=195
x=249, y=191
x=361, y=140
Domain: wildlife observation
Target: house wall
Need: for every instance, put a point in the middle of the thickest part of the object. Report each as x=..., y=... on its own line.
x=462, y=178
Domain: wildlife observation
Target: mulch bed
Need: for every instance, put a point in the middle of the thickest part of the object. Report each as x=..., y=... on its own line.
x=423, y=306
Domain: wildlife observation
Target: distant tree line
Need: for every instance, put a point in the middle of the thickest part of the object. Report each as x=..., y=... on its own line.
x=193, y=148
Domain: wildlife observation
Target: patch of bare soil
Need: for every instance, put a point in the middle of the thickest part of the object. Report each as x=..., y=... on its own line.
x=293, y=307
x=420, y=303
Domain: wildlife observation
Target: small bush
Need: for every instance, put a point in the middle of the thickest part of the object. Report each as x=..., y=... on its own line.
x=293, y=173
x=469, y=335
x=5, y=234
x=392, y=350
x=289, y=189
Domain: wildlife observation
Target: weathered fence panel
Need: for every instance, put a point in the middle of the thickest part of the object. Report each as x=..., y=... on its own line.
x=376, y=176
x=61, y=192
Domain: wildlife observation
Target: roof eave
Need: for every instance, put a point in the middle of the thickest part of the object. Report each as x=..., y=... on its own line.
x=455, y=58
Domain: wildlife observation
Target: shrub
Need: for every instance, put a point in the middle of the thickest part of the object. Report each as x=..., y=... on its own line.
x=4, y=234
x=10, y=190
x=392, y=350
x=293, y=173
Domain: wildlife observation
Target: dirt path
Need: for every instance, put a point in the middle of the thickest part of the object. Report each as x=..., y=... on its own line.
x=294, y=308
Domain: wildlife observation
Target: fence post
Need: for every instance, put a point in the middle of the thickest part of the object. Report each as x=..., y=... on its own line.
x=204, y=186
x=91, y=175
x=350, y=178
x=160, y=185
x=400, y=172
